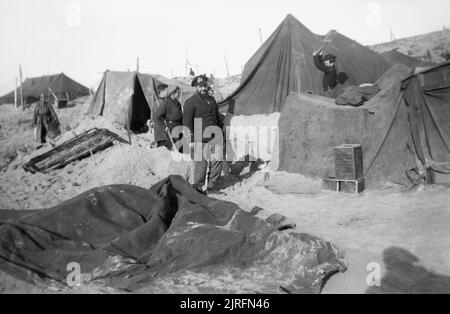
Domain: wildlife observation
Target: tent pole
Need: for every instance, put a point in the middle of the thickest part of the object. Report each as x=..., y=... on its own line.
x=137, y=65
x=186, y=65
x=21, y=91
x=15, y=95
x=54, y=96
x=226, y=65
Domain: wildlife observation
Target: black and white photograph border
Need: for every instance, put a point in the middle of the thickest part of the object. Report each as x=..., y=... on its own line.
x=207, y=148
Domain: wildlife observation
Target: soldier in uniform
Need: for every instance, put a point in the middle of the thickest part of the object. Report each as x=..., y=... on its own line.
x=158, y=126
x=169, y=113
x=327, y=65
x=202, y=105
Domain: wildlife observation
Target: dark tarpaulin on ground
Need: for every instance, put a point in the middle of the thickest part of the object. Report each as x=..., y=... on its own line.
x=83, y=145
x=129, y=237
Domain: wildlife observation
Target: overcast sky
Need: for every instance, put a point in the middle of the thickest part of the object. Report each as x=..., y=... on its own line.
x=83, y=38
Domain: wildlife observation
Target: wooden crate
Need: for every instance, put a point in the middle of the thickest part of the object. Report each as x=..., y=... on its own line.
x=345, y=186
x=348, y=162
x=330, y=185
x=352, y=186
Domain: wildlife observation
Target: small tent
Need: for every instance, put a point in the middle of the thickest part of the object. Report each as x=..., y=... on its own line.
x=59, y=84
x=394, y=56
x=284, y=64
x=404, y=130
x=129, y=98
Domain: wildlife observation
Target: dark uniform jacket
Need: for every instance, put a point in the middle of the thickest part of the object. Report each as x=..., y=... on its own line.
x=46, y=121
x=329, y=80
x=158, y=126
x=204, y=107
x=170, y=112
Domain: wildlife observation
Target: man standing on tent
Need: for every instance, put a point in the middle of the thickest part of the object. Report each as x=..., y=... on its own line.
x=327, y=65
x=203, y=107
x=169, y=113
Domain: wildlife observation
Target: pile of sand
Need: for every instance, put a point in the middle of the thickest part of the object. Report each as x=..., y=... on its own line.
x=137, y=164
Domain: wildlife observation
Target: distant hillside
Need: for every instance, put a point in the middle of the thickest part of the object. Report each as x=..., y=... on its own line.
x=428, y=47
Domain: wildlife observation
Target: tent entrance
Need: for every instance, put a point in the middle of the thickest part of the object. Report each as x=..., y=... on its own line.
x=140, y=109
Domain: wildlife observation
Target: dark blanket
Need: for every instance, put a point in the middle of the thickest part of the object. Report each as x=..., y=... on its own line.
x=356, y=96
x=128, y=237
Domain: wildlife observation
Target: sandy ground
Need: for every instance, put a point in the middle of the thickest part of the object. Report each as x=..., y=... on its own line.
x=422, y=46
x=405, y=232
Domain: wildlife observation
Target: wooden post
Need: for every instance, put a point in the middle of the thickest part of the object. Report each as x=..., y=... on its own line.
x=20, y=90
x=54, y=96
x=392, y=35
x=226, y=65
x=15, y=95
x=137, y=65
x=186, y=65
x=260, y=36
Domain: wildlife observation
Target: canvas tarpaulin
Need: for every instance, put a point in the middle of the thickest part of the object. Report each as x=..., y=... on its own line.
x=403, y=131
x=393, y=57
x=356, y=95
x=60, y=84
x=129, y=237
x=428, y=95
x=285, y=64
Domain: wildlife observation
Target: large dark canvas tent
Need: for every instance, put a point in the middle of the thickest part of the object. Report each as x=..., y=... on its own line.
x=284, y=64
x=60, y=84
x=129, y=97
x=281, y=65
x=404, y=130
x=394, y=56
